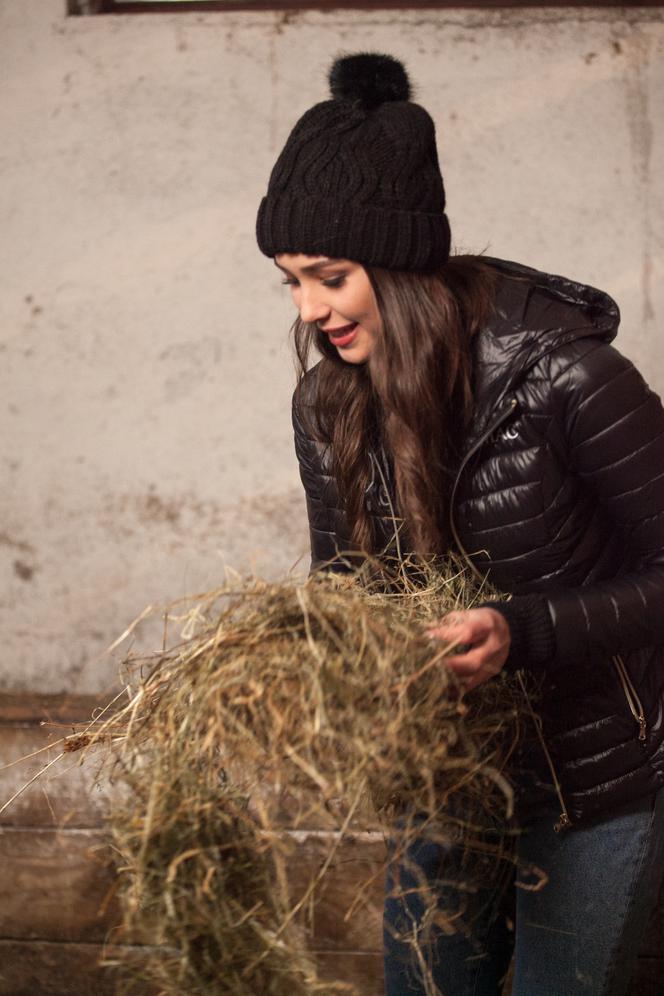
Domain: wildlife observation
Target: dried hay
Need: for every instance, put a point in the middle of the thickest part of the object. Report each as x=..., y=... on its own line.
x=285, y=707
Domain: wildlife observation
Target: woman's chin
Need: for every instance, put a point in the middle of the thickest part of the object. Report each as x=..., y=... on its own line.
x=355, y=355
x=359, y=349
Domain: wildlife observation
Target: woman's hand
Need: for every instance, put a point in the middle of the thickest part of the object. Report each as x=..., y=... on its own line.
x=485, y=633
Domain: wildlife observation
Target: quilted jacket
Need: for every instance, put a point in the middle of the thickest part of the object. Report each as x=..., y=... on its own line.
x=560, y=491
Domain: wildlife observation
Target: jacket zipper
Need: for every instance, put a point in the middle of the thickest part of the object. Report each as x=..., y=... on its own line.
x=497, y=422
x=375, y=460
x=563, y=820
x=632, y=697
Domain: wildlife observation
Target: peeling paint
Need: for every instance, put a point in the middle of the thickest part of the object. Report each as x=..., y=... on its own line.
x=16, y=544
x=181, y=43
x=252, y=520
x=24, y=571
x=152, y=508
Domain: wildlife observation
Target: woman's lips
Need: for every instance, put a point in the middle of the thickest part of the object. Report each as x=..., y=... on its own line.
x=342, y=336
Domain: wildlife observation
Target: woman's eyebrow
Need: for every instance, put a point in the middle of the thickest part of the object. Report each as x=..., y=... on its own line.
x=313, y=267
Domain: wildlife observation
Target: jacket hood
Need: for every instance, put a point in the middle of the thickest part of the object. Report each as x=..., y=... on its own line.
x=534, y=314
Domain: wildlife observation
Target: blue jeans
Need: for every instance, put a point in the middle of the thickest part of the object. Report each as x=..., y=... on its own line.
x=578, y=935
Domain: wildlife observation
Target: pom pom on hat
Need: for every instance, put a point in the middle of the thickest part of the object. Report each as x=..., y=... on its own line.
x=370, y=79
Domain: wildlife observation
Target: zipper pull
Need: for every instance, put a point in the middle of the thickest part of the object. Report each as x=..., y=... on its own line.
x=641, y=720
x=562, y=823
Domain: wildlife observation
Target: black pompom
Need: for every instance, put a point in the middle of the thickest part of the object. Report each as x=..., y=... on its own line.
x=369, y=78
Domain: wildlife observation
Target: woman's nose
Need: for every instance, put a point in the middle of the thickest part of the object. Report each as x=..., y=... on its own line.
x=312, y=306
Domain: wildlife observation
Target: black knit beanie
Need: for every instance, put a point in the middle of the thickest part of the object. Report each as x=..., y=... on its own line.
x=359, y=177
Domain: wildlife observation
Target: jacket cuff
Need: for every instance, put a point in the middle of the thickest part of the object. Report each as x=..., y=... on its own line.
x=533, y=643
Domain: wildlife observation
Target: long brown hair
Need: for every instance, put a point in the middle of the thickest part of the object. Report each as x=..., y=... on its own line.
x=413, y=396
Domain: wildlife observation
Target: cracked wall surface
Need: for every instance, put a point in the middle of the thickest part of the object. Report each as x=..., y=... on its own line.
x=146, y=374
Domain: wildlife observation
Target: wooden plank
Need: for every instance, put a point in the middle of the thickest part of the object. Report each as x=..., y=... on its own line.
x=42, y=968
x=34, y=707
x=77, y=791
x=56, y=885
x=166, y=7
x=67, y=794
x=347, y=913
x=364, y=970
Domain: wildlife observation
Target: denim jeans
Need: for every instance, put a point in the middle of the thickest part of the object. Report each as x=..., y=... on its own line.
x=578, y=935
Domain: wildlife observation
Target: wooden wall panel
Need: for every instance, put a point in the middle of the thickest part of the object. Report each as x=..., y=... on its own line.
x=360, y=968
x=43, y=968
x=57, y=906
x=56, y=885
x=353, y=884
x=35, y=708
x=68, y=794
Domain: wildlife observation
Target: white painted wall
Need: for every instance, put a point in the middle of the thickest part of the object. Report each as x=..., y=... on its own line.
x=146, y=378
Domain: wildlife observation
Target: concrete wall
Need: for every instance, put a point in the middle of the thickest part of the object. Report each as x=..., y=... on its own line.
x=146, y=375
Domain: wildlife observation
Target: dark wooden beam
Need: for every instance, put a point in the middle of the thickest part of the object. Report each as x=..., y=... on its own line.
x=180, y=7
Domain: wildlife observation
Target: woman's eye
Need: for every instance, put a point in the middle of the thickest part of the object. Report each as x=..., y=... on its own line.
x=334, y=281
x=289, y=281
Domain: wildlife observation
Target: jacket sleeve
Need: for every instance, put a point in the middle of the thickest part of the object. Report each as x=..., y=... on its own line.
x=613, y=430
x=318, y=487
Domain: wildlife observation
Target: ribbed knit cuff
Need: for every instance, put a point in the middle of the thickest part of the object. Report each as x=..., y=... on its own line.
x=370, y=234
x=533, y=636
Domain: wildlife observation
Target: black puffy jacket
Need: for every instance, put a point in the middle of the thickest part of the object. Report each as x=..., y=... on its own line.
x=560, y=492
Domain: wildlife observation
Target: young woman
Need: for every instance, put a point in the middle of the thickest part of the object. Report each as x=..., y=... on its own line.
x=480, y=404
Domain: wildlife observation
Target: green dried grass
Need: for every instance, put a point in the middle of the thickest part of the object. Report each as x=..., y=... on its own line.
x=285, y=707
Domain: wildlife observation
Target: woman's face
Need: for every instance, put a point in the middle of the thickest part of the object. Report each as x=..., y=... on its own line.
x=337, y=296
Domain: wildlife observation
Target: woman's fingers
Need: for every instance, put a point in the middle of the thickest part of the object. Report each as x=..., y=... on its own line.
x=486, y=634
x=461, y=636
x=471, y=661
x=469, y=631
x=478, y=679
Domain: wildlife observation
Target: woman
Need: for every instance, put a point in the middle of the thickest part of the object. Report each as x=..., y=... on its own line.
x=480, y=404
